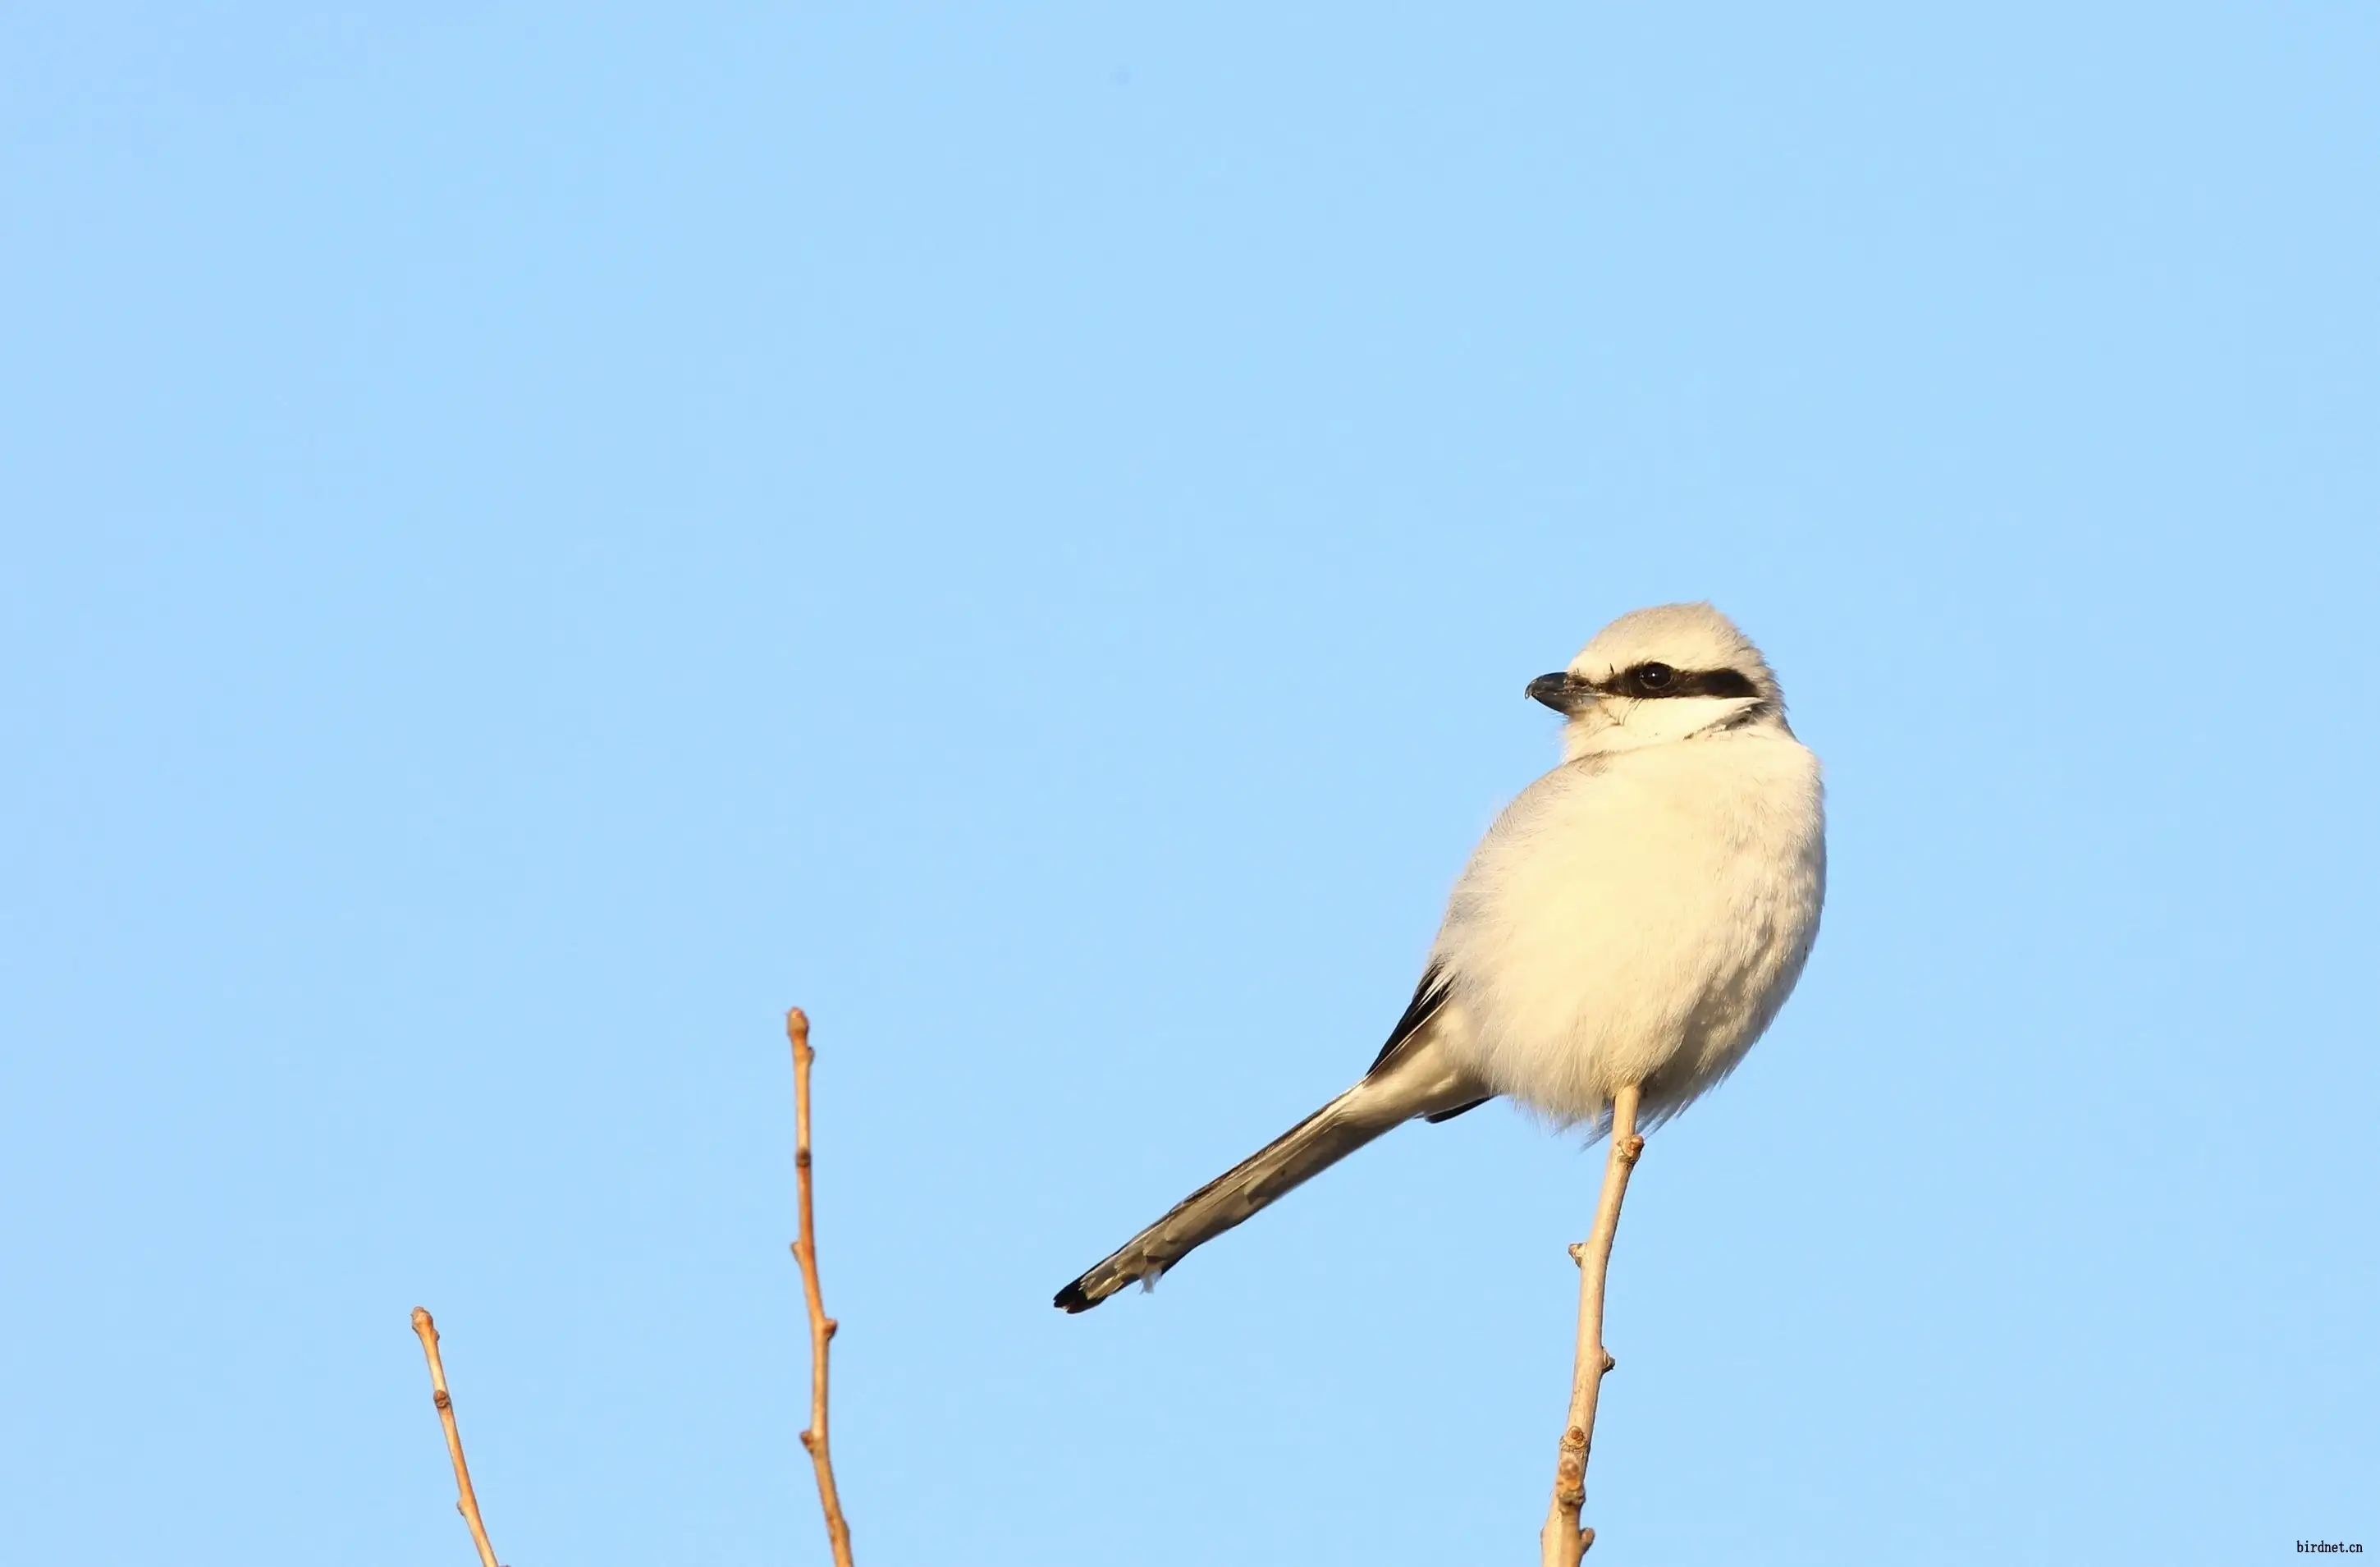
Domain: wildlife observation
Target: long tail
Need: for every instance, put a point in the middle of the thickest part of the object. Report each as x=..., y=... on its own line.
x=1412, y=1081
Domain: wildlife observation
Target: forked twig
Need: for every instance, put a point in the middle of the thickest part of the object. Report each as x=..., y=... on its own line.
x=838, y=1533
x=468, y=1506
x=1563, y=1540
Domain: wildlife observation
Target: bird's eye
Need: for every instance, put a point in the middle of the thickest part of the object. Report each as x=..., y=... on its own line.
x=1652, y=676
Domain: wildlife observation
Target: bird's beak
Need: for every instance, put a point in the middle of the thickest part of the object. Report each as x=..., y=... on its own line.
x=1557, y=692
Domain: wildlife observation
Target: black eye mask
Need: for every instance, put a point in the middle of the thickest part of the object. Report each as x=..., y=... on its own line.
x=1645, y=681
x=1565, y=693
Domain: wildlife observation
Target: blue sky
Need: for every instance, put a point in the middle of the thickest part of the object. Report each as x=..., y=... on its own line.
x=541, y=535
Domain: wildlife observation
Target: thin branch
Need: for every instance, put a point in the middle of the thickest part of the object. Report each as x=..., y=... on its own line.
x=469, y=1504
x=1563, y=1541
x=838, y=1533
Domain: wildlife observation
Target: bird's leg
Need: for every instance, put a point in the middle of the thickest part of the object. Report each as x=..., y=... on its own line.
x=1563, y=1541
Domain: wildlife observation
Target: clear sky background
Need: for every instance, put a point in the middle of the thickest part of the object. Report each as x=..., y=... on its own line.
x=539, y=536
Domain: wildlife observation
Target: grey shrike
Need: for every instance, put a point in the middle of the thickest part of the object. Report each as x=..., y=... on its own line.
x=1637, y=916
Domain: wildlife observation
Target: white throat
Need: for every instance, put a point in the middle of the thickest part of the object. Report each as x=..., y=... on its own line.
x=1626, y=724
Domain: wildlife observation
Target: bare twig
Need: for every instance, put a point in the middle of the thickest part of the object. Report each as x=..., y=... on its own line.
x=838, y=1533
x=469, y=1504
x=1563, y=1541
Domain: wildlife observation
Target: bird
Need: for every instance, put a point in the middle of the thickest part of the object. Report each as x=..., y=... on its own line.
x=1634, y=919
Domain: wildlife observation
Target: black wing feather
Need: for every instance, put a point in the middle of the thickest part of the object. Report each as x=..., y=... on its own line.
x=1427, y=997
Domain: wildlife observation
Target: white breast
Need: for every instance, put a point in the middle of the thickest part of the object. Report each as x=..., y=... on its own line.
x=1636, y=918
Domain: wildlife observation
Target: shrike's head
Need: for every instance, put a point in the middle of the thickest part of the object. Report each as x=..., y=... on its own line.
x=1667, y=673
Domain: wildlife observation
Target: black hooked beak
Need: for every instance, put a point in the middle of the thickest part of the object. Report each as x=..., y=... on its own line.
x=1558, y=692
